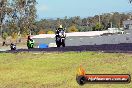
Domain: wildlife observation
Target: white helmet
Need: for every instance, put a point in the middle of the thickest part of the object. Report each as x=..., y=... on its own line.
x=60, y=26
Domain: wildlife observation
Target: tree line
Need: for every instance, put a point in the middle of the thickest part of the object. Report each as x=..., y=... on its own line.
x=78, y=24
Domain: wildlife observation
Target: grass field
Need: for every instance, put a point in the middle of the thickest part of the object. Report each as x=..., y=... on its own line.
x=58, y=70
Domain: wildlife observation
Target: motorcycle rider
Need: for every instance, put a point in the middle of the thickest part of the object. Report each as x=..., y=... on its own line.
x=30, y=42
x=60, y=33
x=13, y=46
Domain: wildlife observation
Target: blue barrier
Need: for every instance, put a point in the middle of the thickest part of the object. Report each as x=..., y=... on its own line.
x=42, y=46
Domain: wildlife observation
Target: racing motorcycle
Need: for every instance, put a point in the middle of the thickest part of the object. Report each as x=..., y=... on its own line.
x=13, y=46
x=60, y=39
x=30, y=43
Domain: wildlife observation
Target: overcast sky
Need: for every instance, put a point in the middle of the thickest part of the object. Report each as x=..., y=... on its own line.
x=82, y=8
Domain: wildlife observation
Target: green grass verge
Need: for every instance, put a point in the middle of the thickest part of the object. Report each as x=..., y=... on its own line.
x=58, y=70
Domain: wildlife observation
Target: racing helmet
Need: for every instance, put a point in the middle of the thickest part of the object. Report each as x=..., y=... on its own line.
x=60, y=26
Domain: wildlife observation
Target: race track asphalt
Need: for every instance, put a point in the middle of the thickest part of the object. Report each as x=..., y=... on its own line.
x=110, y=48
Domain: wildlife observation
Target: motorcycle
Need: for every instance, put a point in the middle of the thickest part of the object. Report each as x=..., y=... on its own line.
x=60, y=39
x=13, y=46
x=30, y=43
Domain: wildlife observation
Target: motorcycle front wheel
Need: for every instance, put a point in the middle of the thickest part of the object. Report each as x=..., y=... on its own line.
x=63, y=43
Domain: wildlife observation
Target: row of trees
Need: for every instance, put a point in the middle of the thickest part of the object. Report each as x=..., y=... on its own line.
x=96, y=23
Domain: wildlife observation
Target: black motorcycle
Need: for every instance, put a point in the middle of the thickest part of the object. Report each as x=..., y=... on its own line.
x=13, y=46
x=60, y=39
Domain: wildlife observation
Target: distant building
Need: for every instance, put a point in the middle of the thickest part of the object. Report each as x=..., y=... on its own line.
x=127, y=24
